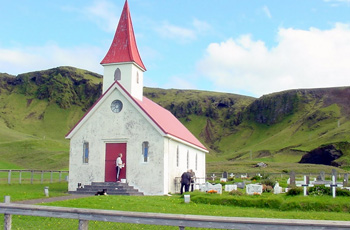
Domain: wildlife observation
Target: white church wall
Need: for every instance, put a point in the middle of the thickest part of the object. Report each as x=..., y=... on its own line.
x=127, y=70
x=178, y=162
x=104, y=126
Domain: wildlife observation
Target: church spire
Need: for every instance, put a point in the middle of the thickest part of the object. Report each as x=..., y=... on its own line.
x=123, y=47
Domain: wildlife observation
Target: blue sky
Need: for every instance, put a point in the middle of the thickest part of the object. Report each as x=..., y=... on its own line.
x=243, y=47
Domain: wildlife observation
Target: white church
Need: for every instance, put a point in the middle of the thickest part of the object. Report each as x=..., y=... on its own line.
x=156, y=147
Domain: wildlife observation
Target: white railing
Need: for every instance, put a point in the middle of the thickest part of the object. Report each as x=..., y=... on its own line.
x=31, y=176
x=182, y=221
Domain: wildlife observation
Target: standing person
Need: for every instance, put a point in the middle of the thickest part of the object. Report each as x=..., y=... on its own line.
x=193, y=177
x=119, y=165
x=185, y=181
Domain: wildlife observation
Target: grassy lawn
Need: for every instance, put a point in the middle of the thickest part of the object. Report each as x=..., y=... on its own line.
x=32, y=191
x=167, y=204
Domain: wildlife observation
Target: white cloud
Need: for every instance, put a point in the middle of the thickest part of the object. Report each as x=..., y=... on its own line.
x=104, y=13
x=200, y=26
x=175, y=32
x=27, y=59
x=183, y=34
x=267, y=11
x=301, y=59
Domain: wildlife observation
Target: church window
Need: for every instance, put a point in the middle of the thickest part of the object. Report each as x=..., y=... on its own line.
x=177, y=156
x=86, y=153
x=137, y=78
x=188, y=159
x=117, y=75
x=196, y=161
x=145, y=151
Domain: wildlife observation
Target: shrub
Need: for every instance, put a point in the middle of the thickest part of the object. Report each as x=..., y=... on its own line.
x=268, y=182
x=319, y=190
x=236, y=193
x=267, y=188
x=255, y=178
x=343, y=192
x=294, y=191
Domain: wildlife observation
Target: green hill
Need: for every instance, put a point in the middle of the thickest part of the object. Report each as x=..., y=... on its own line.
x=37, y=109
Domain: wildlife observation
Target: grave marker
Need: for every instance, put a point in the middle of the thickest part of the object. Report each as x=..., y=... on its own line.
x=346, y=180
x=253, y=189
x=292, y=179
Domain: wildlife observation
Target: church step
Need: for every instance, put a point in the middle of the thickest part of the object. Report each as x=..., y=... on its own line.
x=112, y=188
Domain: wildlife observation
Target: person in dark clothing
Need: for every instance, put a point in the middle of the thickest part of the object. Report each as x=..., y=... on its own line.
x=185, y=181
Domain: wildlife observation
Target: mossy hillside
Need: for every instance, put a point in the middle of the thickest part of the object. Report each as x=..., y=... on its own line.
x=277, y=128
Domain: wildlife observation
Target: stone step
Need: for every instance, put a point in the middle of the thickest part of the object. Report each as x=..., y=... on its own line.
x=113, y=188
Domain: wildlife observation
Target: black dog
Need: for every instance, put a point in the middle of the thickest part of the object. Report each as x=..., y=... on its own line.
x=100, y=193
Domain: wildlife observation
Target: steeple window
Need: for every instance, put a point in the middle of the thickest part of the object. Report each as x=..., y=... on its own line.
x=117, y=75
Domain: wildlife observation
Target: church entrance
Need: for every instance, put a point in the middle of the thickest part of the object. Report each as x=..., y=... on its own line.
x=112, y=152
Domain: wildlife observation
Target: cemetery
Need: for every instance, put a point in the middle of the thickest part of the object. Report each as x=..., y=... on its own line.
x=302, y=192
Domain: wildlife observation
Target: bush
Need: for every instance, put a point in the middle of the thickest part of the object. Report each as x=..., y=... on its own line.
x=294, y=191
x=255, y=178
x=267, y=188
x=267, y=182
x=236, y=193
x=319, y=190
x=343, y=192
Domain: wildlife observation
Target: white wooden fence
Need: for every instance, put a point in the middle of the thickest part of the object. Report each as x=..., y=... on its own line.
x=182, y=221
x=31, y=176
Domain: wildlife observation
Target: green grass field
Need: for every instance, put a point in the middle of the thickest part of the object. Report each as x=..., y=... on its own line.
x=169, y=204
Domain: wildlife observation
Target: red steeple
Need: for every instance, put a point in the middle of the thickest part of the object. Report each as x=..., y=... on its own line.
x=123, y=47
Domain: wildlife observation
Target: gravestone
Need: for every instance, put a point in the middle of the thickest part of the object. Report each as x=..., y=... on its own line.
x=224, y=175
x=322, y=176
x=277, y=189
x=307, y=180
x=230, y=187
x=240, y=184
x=346, y=180
x=292, y=179
x=207, y=187
x=253, y=189
x=334, y=173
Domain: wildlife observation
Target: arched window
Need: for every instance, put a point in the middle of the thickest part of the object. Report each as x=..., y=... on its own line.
x=117, y=75
x=137, y=78
x=188, y=159
x=145, y=150
x=86, y=152
x=177, y=156
x=196, y=161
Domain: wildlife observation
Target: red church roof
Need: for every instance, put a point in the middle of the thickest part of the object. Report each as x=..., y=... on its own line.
x=123, y=47
x=167, y=122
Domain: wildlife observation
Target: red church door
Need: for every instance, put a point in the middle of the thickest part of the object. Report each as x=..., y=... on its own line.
x=112, y=152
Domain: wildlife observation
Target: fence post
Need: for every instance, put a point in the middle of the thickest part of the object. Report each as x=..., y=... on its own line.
x=51, y=177
x=7, y=221
x=83, y=224
x=60, y=176
x=20, y=177
x=42, y=176
x=32, y=177
x=7, y=217
x=9, y=177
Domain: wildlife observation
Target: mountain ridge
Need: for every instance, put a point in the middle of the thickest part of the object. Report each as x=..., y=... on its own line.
x=235, y=128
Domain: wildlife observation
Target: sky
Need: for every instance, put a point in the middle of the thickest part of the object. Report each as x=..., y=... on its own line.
x=251, y=48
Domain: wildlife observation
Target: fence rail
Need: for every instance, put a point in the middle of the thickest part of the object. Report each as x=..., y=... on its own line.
x=182, y=221
x=31, y=176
